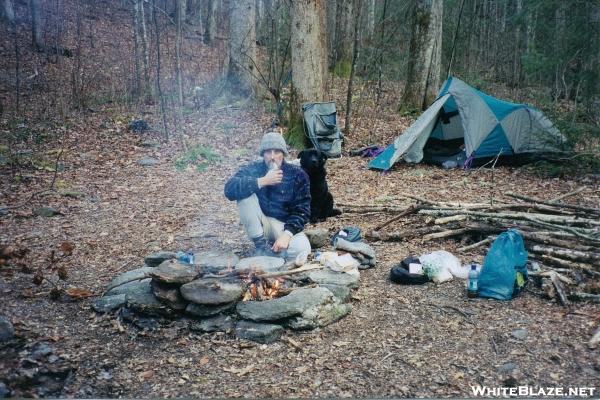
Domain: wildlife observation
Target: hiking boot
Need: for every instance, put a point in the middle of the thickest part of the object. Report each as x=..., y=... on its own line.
x=262, y=248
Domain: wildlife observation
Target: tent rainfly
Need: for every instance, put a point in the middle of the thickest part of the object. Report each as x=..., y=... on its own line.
x=468, y=124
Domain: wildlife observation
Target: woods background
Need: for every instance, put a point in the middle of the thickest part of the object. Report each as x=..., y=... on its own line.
x=60, y=56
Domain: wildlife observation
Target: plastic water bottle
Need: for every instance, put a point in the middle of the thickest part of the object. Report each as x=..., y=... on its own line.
x=472, y=282
x=190, y=256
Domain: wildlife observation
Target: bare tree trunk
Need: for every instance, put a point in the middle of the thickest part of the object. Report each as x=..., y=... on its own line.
x=381, y=45
x=370, y=9
x=35, y=7
x=211, y=21
x=358, y=8
x=309, y=58
x=516, y=73
x=343, y=32
x=179, y=21
x=158, y=87
x=8, y=13
x=242, y=47
x=136, y=48
x=330, y=15
x=146, y=58
x=424, y=65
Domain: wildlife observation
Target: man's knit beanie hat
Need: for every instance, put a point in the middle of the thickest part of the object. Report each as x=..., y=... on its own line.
x=272, y=140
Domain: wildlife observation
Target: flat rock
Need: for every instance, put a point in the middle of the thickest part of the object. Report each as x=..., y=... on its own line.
x=155, y=259
x=266, y=264
x=341, y=292
x=169, y=294
x=220, y=323
x=4, y=391
x=320, y=315
x=291, y=305
x=107, y=304
x=317, y=237
x=130, y=276
x=143, y=301
x=130, y=287
x=147, y=161
x=201, y=310
x=7, y=331
x=327, y=276
x=215, y=261
x=174, y=272
x=46, y=211
x=519, y=334
x=150, y=143
x=508, y=367
x=364, y=252
x=257, y=332
x=212, y=291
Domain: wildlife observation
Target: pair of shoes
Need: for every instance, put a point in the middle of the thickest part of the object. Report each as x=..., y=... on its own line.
x=262, y=248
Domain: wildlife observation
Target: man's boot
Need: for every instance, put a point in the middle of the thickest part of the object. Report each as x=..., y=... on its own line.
x=262, y=248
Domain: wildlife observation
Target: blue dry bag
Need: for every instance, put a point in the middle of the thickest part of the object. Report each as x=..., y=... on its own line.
x=504, y=273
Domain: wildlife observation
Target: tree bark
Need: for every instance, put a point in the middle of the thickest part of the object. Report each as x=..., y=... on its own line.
x=136, y=48
x=35, y=7
x=211, y=21
x=179, y=19
x=8, y=13
x=242, y=47
x=309, y=57
x=146, y=57
x=343, y=32
x=355, y=50
x=370, y=10
x=158, y=86
x=424, y=65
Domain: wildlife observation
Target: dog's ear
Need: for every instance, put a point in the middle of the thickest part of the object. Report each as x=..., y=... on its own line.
x=300, y=154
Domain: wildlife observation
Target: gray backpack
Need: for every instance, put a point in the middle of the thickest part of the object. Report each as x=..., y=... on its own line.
x=320, y=125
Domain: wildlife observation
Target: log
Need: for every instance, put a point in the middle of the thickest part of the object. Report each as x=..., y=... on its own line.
x=476, y=245
x=409, y=210
x=452, y=218
x=564, y=196
x=553, y=204
x=444, y=234
x=534, y=217
x=573, y=255
x=538, y=238
x=560, y=291
x=365, y=208
x=582, y=296
x=546, y=259
x=400, y=235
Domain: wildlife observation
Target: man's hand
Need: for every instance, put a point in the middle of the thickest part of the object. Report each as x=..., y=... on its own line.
x=281, y=243
x=273, y=177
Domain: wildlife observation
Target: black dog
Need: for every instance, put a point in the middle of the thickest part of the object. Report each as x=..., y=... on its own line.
x=321, y=204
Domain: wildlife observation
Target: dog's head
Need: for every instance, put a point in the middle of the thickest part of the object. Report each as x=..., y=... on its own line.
x=312, y=160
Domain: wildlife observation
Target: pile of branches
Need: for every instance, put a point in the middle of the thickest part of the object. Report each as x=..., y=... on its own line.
x=563, y=239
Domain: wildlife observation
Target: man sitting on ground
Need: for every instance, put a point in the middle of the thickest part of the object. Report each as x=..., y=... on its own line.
x=273, y=200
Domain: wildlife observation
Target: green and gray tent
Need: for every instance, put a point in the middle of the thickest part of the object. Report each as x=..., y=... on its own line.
x=463, y=119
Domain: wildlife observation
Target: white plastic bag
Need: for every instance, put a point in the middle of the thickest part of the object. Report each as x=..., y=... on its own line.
x=439, y=265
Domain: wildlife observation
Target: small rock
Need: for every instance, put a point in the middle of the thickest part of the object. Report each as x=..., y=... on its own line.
x=138, y=126
x=142, y=300
x=7, y=331
x=147, y=162
x=72, y=194
x=40, y=350
x=107, y=304
x=212, y=291
x=220, y=323
x=215, y=261
x=257, y=332
x=317, y=237
x=46, y=212
x=320, y=316
x=266, y=264
x=150, y=143
x=519, y=334
x=130, y=287
x=130, y=276
x=201, y=310
x=155, y=259
x=174, y=272
x=363, y=251
x=169, y=295
x=507, y=367
x=4, y=391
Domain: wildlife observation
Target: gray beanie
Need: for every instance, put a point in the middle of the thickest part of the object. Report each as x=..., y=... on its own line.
x=272, y=140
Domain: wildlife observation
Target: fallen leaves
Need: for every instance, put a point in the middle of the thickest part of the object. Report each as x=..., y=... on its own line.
x=78, y=293
x=240, y=371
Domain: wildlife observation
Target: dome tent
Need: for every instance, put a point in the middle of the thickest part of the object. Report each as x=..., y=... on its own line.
x=474, y=124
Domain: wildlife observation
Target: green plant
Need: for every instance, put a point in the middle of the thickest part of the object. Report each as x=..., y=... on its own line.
x=199, y=156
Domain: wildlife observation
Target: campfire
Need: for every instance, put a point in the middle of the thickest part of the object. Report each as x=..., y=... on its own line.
x=264, y=289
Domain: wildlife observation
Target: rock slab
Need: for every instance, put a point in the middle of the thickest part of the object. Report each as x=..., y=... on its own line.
x=7, y=331
x=215, y=261
x=107, y=304
x=220, y=323
x=317, y=237
x=169, y=295
x=261, y=263
x=155, y=259
x=201, y=310
x=257, y=332
x=211, y=291
x=130, y=276
x=327, y=276
x=174, y=272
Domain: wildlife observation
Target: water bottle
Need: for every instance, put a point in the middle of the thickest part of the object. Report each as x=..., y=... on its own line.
x=190, y=256
x=183, y=257
x=472, y=286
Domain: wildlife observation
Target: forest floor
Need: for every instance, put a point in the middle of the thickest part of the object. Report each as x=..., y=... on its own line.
x=398, y=341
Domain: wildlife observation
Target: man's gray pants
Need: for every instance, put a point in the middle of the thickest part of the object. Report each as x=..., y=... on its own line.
x=257, y=224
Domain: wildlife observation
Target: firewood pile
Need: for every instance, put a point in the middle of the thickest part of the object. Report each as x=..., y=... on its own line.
x=562, y=239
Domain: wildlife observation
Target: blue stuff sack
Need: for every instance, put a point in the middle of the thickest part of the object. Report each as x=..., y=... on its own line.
x=503, y=273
